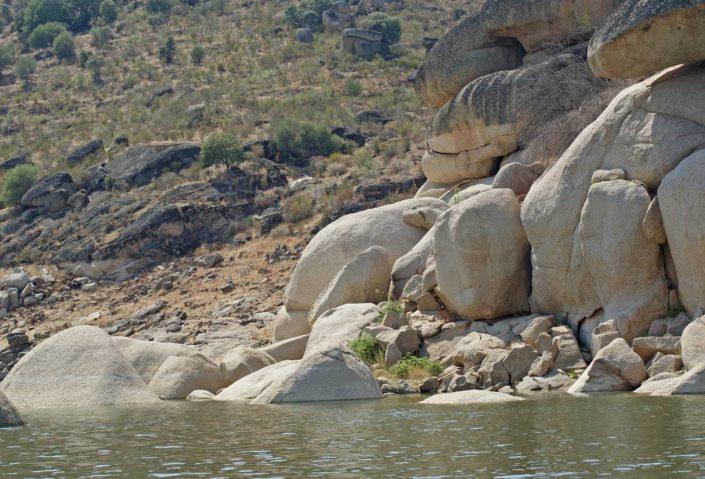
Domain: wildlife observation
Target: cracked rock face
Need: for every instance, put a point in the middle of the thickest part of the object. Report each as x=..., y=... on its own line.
x=486, y=119
x=646, y=131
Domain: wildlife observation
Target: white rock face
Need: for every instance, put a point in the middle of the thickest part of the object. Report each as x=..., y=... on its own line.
x=646, y=131
x=693, y=344
x=481, y=256
x=331, y=375
x=364, y=279
x=290, y=324
x=77, y=367
x=626, y=267
x=615, y=368
x=287, y=350
x=242, y=361
x=471, y=397
x=147, y=356
x=337, y=327
x=338, y=243
x=179, y=376
x=251, y=386
x=682, y=200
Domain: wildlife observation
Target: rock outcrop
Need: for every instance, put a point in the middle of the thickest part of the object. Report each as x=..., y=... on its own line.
x=77, y=367
x=179, y=376
x=471, y=397
x=615, y=368
x=9, y=417
x=645, y=36
x=481, y=257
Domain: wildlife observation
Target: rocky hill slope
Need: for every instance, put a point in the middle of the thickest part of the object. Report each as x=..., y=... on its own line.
x=533, y=257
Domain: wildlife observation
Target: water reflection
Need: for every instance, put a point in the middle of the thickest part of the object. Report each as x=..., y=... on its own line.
x=604, y=436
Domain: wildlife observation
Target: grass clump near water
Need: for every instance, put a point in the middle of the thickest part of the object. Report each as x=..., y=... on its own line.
x=415, y=367
x=366, y=348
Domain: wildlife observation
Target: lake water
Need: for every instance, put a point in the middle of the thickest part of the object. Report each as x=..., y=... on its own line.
x=602, y=436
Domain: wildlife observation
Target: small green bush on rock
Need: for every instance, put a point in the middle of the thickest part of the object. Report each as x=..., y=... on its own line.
x=388, y=26
x=16, y=183
x=406, y=367
x=366, y=348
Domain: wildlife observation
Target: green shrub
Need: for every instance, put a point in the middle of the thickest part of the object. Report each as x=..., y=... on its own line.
x=16, y=183
x=158, y=6
x=353, y=87
x=166, y=51
x=366, y=348
x=95, y=66
x=388, y=26
x=297, y=208
x=76, y=14
x=221, y=148
x=43, y=36
x=415, y=366
x=101, y=36
x=297, y=141
x=307, y=14
x=108, y=11
x=64, y=47
x=7, y=56
x=25, y=66
x=390, y=307
x=198, y=53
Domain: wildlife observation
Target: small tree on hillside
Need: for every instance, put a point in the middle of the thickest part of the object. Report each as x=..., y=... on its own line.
x=64, y=47
x=25, y=66
x=16, y=183
x=221, y=148
x=43, y=36
x=166, y=51
x=108, y=11
x=197, y=54
x=7, y=56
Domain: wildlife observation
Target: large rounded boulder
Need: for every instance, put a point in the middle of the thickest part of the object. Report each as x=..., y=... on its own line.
x=343, y=240
x=645, y=36
x=75, y=368
x=482, y=257
x=9, y=417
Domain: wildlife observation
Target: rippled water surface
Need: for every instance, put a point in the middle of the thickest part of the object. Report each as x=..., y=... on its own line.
x=603, y=436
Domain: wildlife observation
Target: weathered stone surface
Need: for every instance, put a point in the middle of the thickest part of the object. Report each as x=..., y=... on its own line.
x=646, y=347
x=423, y=217
x=693, y=344
x=179, y=376
x=541, y=365
x=364, y=279
x=42, y=188
x=471, y=397
x=692, y=382
x=200, y=395
x=363, y=43
x=517, y=177
x=481, y=257
x=538, y=325
x=519, y=361
x=77, y=367
x=9, y=417
x=485, y=120
x=669, y=363
x=657, y=383
x=337, y=327
x=615, y=368
x=290, y=324
x=139, y=165
x=251, y=386
x=442, y=344
x=147, y=356
x=328, y=375
x=682, y=200
x=392, y=355
x=411, y=264
x=405, y=338
x=569, y=356
x=287, y=350
x=645, y=36
x=625, y=266
x=242, y=361
x=646, y=131
x=555, y=381
x=341, y=241
x=653, y=223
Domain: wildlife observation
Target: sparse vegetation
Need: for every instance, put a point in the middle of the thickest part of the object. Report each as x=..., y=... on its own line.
x=16, y=183
x=221, y=148
x=108, y=11
x=25, y=66
x=415, y=367
x=64, y=47
x=366, y=348
x=43, y=36
x=298, y=207
x=166, y=51
x=198, y=53
x=7, y=56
